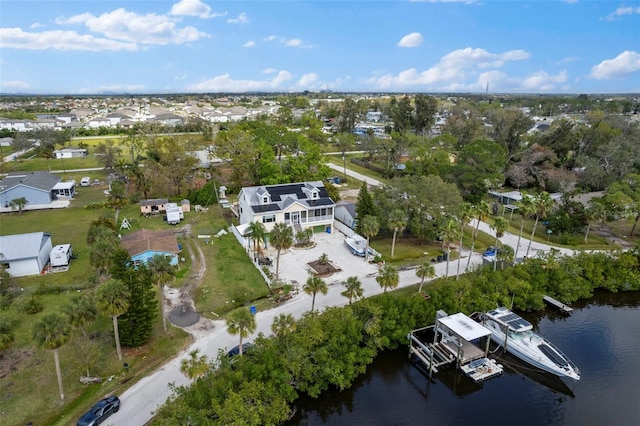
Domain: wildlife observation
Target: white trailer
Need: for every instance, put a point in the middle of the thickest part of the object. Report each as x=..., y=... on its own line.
x=174, y=214
x=60, y=255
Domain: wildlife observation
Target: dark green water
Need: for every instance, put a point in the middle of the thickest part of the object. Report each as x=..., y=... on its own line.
x=602, y=337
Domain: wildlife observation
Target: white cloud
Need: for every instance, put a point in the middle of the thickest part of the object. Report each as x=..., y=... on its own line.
x=567, y=60
x=453, y=68
x=129, y=26
x=541, y=81
x=250, y=43
x=224, y=83
x=622, y=11
x=60, y=40
x=14, y=85
x=411, y=40
x=499, y=81
x=36, y=25
x=294, y=42
x=193, y=8
x=269, y=70
x=241, y=19
x=308, y=81
x=624, y=64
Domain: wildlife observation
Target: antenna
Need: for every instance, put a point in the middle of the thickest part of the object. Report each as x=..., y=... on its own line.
x=487, y=90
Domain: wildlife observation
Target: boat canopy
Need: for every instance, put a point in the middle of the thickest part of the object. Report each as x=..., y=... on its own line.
x=465, y=327
x=507, y=318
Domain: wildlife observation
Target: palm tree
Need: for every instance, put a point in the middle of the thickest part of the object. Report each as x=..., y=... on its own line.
x=482, y=211
x=281, y=238
x=313, y=286
x=500, y=225
x=425, y=270
x=370, y=228
x=397, y=222
x=283, y=324
x=388, y=277
x=542, y=204
x=81, y=312
x=117, y=197
x=505, y=254
x=195, y=366
x=596, y=212
x=112, y=300
x=464, y=216
x=449, y=233
x=18, y=204
x=525, y=207
x=52, y=332
x=162, y=271
x=353, y=288
x=256, y=232
x=7, y=332
x=241, y=322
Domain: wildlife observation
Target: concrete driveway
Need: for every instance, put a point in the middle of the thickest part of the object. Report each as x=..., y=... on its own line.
x=293, y=262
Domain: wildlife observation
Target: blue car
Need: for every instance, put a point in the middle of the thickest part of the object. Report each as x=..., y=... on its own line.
x=100, y=411
x=490, y=252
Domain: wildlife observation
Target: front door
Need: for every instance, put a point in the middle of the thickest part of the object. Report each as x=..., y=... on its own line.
x=295, y=218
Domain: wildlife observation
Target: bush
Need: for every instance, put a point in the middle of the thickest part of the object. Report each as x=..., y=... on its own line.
x=32, y=305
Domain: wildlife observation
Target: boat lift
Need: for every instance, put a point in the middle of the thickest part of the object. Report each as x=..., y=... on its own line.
x=451, y=343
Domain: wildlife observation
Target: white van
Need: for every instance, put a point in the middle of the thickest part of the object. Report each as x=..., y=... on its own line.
x=85, y=181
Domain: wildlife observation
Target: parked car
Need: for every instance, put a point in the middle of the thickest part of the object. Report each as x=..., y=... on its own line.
x=491, y=251
x=100, y=411
x=236, y=349
x=85, y=181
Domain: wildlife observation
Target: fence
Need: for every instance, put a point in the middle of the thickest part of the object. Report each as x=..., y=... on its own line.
x=247, y=249
x=343, y=228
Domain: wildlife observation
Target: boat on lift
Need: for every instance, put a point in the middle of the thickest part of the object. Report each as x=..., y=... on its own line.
x=516, y=336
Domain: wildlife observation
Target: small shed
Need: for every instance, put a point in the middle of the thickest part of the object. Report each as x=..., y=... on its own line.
x=186, y=206
x=60, y=255
x=153, y=206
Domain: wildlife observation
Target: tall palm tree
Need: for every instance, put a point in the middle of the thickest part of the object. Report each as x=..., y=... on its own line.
x=241, y=322
x=449, y=234
x=465, y=214
x=505, y=254
x=500, y=226
x=162, y=271
x=195, y=366
x=388, y=277
x=481, y=212
x=256, y=232
x=112, y=300
x=353, y=288
x=397, y=222
x=281, y=237
x=370, y=228
x=313, y=286
x=283, y=324
x=425, y=270
x=51, y=333
x=81, y=312
x=596, y=212
x=117, y=197
x=525, y=207
x=542, y=204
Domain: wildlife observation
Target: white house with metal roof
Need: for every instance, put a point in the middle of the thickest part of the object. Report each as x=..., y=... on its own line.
x=25, y=254
x=301, y=205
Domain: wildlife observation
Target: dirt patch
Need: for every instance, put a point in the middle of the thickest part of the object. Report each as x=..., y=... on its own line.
x=323, y=269
x=9, y=360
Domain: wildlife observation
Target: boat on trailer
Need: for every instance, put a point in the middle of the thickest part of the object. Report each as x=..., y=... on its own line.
x=516, y=336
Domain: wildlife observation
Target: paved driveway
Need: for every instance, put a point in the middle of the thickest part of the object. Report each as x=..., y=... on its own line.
x=293, y=262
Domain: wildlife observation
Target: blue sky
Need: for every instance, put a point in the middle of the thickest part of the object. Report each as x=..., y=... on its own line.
x=96, y=46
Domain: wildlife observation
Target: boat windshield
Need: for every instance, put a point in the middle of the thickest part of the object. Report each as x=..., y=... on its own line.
x=528, y=334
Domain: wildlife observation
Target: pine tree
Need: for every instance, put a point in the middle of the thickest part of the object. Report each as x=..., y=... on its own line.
x=136, y=325
x=364, y=206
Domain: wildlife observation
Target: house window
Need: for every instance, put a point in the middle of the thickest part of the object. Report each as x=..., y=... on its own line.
x=265, y=199
x=330, y=211
x=269, y=219
x=287, y=216
x=314, y=195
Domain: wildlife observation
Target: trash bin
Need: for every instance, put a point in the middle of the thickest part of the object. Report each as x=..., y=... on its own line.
x=439, y=258
x=445, y=257
x=253, y=310
x=328, y=229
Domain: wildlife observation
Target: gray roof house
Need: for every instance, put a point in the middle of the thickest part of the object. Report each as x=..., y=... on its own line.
x=301, y=205
x=25, y=254
x=40, y=189
x=346, y=213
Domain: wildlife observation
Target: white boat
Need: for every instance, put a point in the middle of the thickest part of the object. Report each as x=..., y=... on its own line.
x=358, y=245
x=524, y=343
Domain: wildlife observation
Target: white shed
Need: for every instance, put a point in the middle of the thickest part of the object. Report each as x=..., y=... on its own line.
x=25, y=254
x=60, y=255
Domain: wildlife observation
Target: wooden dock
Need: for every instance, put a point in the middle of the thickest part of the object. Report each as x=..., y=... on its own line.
x=565, y=309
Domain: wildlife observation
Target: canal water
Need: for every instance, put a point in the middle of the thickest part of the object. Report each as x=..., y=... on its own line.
x=602, y=337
